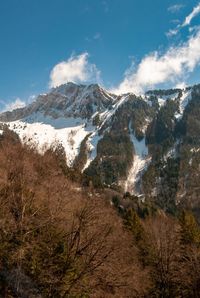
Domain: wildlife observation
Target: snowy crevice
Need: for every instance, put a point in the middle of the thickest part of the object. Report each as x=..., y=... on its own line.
x=184, y=100
x=107, y=115
x=141, y=161
x=92, y=143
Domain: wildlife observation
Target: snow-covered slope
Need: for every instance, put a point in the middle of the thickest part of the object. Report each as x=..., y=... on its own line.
x=44, y=132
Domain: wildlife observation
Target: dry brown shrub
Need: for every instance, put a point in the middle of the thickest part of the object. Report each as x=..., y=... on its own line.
x=65, y=243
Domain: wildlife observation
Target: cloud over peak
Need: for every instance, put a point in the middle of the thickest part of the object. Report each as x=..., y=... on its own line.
x=16, y=104
x=76, y=69
x=170, y=67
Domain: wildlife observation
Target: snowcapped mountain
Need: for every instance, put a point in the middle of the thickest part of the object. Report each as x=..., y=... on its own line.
x=115, y=140
x=65, y=116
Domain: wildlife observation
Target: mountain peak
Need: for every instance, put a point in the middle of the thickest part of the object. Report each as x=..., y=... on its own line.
x=72, y=87
x=78, y=100
x=67, y=100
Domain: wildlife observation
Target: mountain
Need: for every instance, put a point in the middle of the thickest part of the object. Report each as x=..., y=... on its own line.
x=147, y=145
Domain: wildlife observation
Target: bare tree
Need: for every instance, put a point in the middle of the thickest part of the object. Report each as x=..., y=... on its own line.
x=164, y=246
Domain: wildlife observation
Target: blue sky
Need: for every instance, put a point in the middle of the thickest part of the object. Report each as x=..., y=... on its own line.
x=124, y=45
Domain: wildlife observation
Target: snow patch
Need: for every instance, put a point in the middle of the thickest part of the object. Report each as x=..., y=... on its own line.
x=163, y=98
x=184, y=100
x=161, y=102
x=145, y=126
x=172, y=96
x=172, y=152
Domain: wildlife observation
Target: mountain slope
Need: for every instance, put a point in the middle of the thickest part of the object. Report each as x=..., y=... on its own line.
x=129, y=142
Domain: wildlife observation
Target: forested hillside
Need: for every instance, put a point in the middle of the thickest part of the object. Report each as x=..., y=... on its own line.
x=61, y=239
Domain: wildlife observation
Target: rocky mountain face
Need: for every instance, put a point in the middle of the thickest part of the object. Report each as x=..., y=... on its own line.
x=148, y=145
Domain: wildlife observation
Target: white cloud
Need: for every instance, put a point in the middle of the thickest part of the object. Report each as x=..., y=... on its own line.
x=172, y=32
x=187, y=21
x=31, y=98
x=181, y=85
x=76, y=69
x=16, y=104
x=194, y=13
x=175, y=8
x=194, y=29
x=154, y=69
